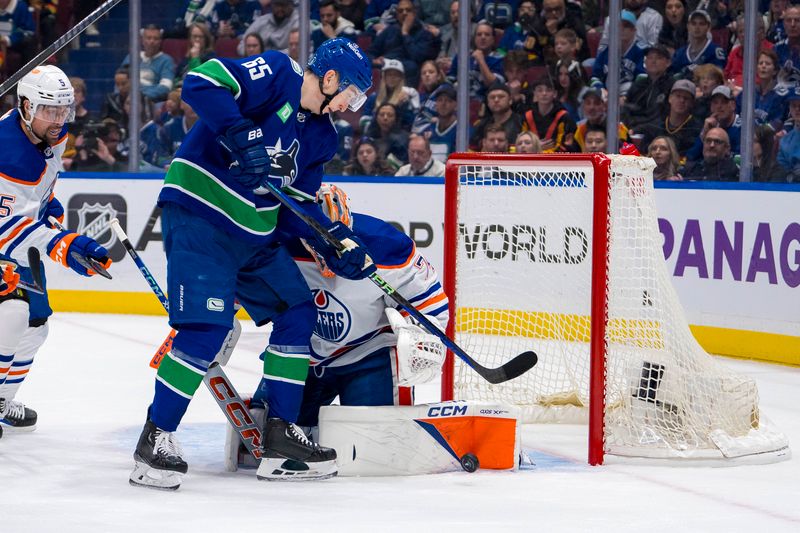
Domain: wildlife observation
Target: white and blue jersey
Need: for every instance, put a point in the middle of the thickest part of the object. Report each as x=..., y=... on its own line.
x=683, y=64
x=631, y=66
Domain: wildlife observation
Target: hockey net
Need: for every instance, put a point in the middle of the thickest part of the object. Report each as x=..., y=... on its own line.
x=562, y=255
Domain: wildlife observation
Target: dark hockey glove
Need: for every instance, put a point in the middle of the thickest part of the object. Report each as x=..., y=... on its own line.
x=250, y=163
x=76, y=251
x=354, y=262
x=54, y=209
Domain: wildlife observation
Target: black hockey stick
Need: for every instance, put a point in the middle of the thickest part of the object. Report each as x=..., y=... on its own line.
x=507, y=371
x=58, y=44
x=37, y=285
x=220, y=387
x=89, y=263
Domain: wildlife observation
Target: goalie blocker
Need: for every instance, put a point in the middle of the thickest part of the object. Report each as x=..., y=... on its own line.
x=422, y=439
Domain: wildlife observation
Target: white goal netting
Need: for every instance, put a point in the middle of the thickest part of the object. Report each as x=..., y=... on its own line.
x=524, y=282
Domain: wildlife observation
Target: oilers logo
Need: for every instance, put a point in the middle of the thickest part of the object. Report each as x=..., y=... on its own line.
x=333, y=318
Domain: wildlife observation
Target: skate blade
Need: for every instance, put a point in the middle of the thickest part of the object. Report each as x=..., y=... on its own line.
x=9, y=429
x=144, y=475
x=280, y=469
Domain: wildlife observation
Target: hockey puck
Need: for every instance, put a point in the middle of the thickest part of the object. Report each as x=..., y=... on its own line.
x=469, y=462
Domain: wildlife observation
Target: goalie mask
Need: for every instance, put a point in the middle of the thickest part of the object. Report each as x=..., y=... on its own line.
x=50, y=93
x=334, y=203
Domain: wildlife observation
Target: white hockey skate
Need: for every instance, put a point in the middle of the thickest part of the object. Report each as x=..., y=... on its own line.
x=288, y=455
x=159, y=464
x=16, y=418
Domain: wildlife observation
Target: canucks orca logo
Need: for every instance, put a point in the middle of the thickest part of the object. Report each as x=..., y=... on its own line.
x=333, y=318
x=284, y=162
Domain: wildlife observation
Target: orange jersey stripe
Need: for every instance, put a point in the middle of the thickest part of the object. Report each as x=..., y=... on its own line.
x=430, y=301
x=24, y=182
x=18, y=372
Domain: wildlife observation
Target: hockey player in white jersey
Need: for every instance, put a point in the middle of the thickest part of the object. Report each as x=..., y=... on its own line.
x=32, y=141
x=364, y=350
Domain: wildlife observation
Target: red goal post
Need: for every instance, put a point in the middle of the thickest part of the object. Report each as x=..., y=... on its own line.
x=561, y=254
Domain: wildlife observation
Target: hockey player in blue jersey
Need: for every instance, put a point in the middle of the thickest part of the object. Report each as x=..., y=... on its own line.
x=219, y=237
x=364, y=350
x=33, y=138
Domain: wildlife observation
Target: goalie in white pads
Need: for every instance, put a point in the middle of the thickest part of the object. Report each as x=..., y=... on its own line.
x=32, y=138
x=363, y=350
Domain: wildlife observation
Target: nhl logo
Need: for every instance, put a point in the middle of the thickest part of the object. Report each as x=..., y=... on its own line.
x=333, y=318
x=94, y=220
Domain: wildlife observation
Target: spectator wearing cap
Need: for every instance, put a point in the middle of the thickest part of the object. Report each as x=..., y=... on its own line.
x=789, y=148
x=700, y=49
x=331, y=24
x=788, y=49
x=646, y=100
x=717, y=162
x=274, y=27
x=406, y=40
x=723, y=115
x=594, y=108
x=392, y=89
x=500, y=113
x=633, y=52
x=420, y=159
x=548, y=119
x=647, y=20
x=679, y=123
x=442, y=132
x=485, y=65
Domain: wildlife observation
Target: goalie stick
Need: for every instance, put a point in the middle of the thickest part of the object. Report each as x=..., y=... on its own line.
x=58, y=44
x=220, y=387
x=520, y=364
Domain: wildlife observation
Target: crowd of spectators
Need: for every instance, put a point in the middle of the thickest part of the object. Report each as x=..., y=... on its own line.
x=537, y=73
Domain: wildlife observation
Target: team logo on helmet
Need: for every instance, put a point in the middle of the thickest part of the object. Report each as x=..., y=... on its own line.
x=333, y=317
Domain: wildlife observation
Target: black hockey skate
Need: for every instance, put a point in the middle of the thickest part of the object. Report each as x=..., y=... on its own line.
x=15, y=417
x=288, y=455
x=159, y=464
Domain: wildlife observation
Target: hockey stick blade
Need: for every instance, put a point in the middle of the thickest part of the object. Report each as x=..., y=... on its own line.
x=510, y=370
x=90, y=263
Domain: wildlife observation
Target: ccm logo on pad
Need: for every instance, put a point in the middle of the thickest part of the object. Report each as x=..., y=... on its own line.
x=215, y=304
x=447, y=410
x=254, y=134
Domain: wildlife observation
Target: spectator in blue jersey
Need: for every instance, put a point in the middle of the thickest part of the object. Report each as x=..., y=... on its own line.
x=17, y=29
x=700, y=49
x=788, y=49
x=201, y=49
x=406, y=40
x=789, y=148
x=521, y=35
x=723, y=115
x=231, y=18
x=274, y=27
x=674, y=34
x=331, y=24
x=632, y=63
x=773, y=20
x=156, y=69
x=716, y=164
x=431, y=77
x=485, y=66
x=442, y=132
x=770, y=103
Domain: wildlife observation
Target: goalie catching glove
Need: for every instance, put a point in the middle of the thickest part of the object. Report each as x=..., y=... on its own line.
x=71, y=249
x=420, y=355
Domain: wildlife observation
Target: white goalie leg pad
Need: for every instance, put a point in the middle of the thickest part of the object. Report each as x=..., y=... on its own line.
x=236, y=455
x=224, y=354
x=144, y=475
x=420, y=439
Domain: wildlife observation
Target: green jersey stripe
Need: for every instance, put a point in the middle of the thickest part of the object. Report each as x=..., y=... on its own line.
x=215, y=72
x=283, y=368
x=179, y=376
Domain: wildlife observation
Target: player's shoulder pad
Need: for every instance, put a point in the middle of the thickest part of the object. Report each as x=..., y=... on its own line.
x=15, y=165
x=388, y=246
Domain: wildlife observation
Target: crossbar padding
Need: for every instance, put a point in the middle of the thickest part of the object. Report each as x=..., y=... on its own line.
x=420, y=439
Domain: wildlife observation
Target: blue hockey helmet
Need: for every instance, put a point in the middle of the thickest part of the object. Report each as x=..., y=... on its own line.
x=350, y=62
